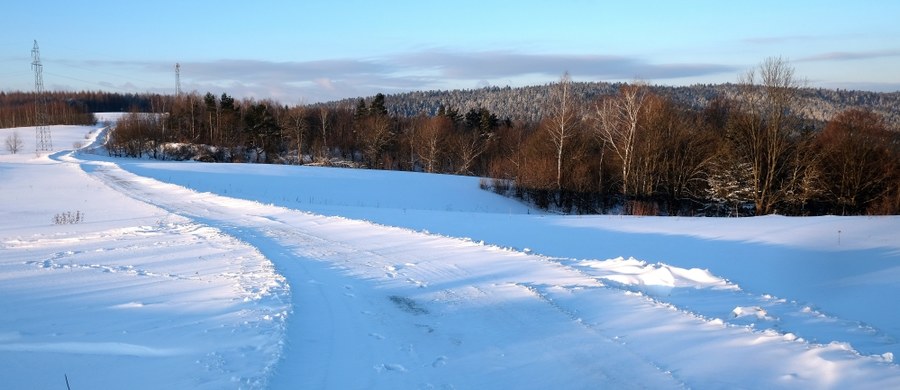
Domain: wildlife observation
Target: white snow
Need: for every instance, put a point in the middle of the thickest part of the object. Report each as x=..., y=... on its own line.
x=190, y=275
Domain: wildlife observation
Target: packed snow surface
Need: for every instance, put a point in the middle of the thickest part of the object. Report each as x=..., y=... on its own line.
x=123, y=273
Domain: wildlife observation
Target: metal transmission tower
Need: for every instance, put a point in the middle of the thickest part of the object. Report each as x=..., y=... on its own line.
x=41, y=132
x=177, y=79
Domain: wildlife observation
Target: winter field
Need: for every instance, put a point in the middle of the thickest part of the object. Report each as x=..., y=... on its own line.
x=138, y=274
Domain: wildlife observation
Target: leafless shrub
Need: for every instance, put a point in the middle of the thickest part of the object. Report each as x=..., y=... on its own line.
x=68, y=218
x=14, y=142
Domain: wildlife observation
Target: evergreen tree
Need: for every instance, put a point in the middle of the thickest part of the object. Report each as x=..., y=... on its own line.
x=377, y=108
x=361, y=110
x=227, y=103
x=210, y=100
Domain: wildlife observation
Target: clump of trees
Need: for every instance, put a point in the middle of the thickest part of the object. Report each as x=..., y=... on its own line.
x=752, y=149
x=856, y=167
x=750, y=153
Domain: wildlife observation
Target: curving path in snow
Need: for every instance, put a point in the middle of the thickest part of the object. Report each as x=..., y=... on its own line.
x=384, y=307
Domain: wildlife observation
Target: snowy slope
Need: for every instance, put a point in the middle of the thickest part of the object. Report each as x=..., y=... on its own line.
x=523, y=299
x=799, y=267
x=132, y=296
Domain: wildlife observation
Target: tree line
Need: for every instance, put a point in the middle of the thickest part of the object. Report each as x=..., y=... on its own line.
x=18, y=109
x=751, y=150
x=748, y=153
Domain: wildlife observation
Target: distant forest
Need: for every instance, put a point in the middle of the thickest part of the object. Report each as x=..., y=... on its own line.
x=519, y=103
x=761, y=146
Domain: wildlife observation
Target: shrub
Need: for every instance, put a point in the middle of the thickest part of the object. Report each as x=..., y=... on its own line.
x=14, y=142
x=68, y=218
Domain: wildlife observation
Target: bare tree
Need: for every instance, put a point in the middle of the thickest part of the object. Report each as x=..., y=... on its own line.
x=617, y=120
x=323, y=121
x=14, y=142
x=763, y=132
x=468, y=146
x=427, y=141
x=562, y=121
x=297, y=126
x=677, y=149
x=376, y=135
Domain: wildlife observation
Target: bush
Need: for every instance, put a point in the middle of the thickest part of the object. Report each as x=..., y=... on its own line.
x=68, y=218
x=14, y=143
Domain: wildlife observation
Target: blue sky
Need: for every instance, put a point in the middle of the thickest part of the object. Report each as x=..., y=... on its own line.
x=309, y=51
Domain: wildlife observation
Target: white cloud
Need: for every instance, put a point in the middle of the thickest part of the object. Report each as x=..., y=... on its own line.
x=848, y=56
x=323, y=80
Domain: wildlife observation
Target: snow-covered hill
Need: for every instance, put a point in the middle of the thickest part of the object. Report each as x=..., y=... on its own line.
x=190, y=275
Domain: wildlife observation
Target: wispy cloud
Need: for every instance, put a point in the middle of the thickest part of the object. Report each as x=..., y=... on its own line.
x=500, y=64
x=776, y=40
x=849, y=56
x=429, y=69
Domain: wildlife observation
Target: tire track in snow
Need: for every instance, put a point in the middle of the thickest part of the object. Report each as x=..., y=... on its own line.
x=328, y=308
x=276, y=243
x=634, y=331
x=238, y=295
x=706, y=296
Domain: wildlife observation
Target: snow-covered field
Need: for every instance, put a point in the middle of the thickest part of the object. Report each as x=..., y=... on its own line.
x=191, y=275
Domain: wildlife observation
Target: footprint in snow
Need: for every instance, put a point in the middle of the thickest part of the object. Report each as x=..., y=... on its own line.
x=425, y=328
x=417, y=283
x=439, y=361
x=389, y=367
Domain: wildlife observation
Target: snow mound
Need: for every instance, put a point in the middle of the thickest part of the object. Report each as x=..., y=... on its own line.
x=754, y=311
x=635, y=272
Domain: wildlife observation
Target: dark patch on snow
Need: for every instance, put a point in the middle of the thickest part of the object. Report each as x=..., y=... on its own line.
x=408, y=305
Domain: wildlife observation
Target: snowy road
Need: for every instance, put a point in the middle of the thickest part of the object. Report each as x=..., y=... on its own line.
x=383, y=307
x=404, y=309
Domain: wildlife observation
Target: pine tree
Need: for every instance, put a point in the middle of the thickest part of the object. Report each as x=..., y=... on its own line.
x=361, y=110
x=377, y=108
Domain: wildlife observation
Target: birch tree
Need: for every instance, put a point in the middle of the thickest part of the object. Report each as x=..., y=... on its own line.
x=297, y=126
x=562, y=121
x=616, y=124
x=376, y=135
x=429, y=140
x=323, y=121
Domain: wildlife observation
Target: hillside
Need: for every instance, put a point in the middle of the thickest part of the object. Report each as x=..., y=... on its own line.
x=525, y=103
